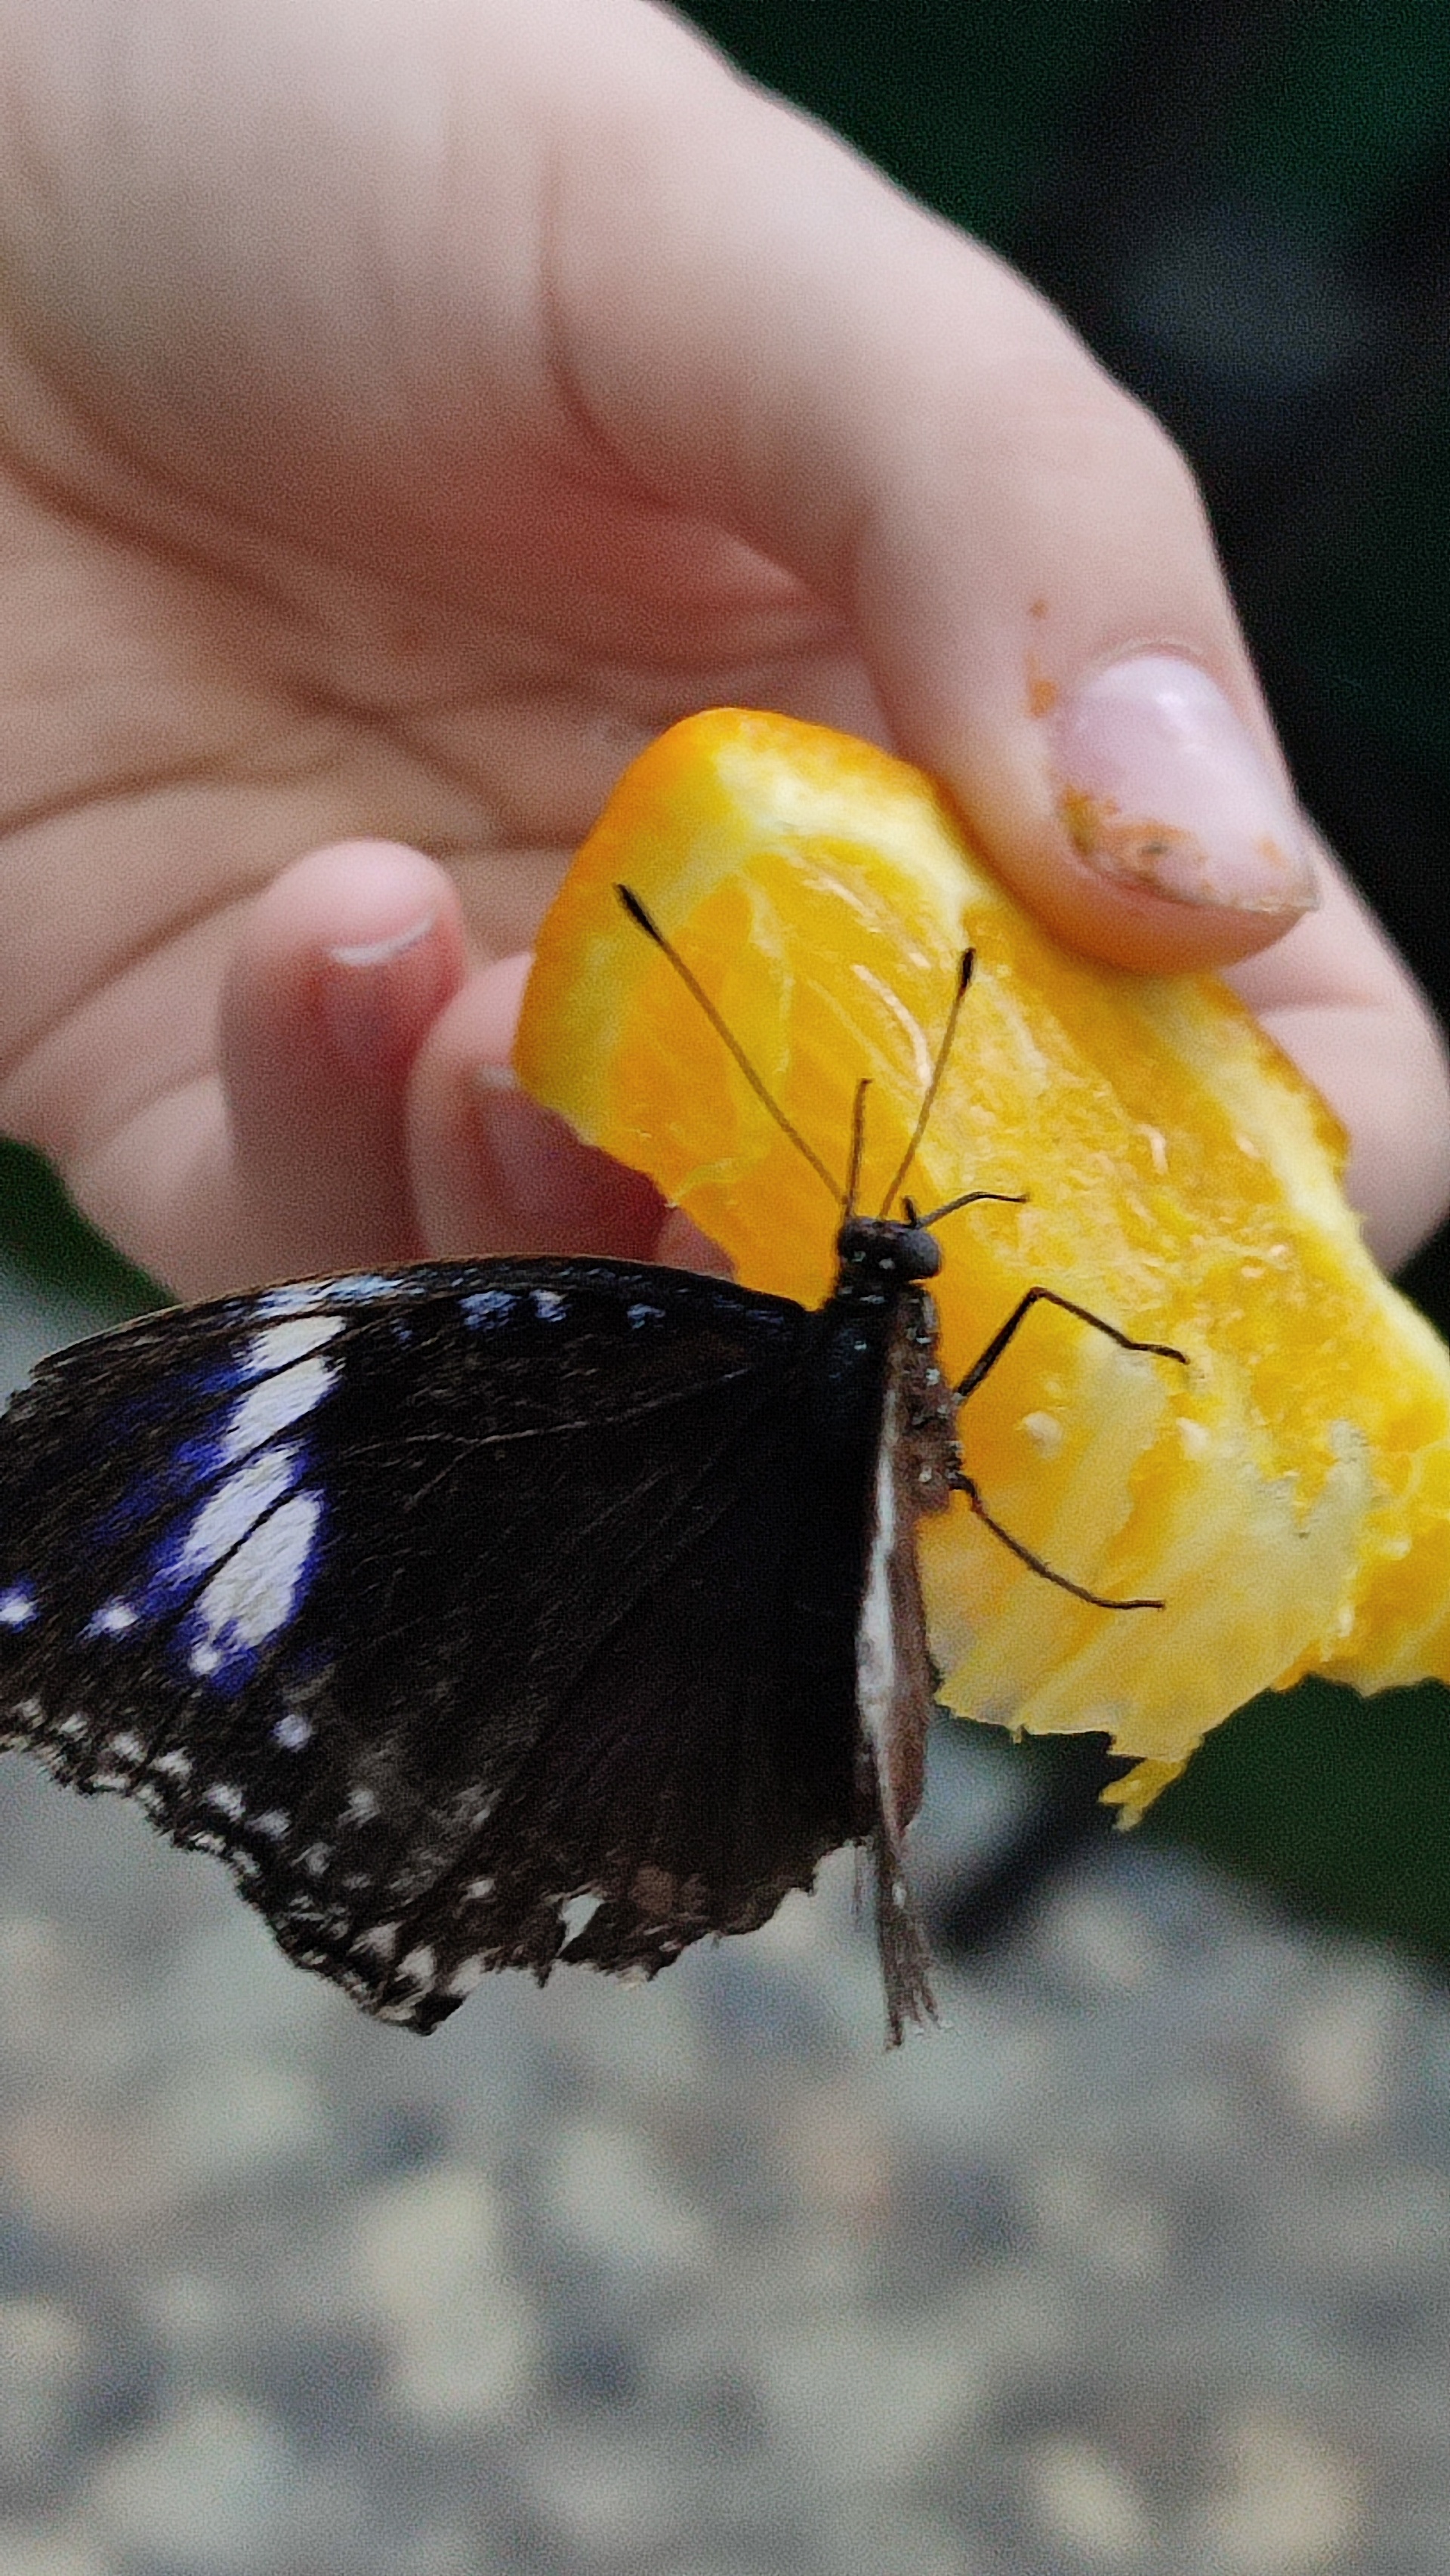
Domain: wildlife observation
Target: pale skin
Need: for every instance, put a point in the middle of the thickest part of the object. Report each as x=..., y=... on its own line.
x=405, y=411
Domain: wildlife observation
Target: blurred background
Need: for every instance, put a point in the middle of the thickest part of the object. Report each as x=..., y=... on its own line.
x=1145, y=2263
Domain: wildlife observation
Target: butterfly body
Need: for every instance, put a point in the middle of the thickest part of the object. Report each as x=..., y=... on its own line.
x=486, y=1614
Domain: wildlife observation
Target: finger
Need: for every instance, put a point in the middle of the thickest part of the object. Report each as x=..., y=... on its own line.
x=759, y=325
x=1342, y=1002
x=494, y=1172
x=341, y=968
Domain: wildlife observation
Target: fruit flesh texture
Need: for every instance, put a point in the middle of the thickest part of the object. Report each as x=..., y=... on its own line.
x=1287, y=1493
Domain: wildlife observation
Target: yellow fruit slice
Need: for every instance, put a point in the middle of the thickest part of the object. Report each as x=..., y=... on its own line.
x=1287, y=1494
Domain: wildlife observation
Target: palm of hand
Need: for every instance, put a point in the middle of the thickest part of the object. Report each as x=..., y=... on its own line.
x=274, y=644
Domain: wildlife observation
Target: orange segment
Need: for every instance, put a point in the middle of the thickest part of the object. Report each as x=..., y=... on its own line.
x=1288, y=1494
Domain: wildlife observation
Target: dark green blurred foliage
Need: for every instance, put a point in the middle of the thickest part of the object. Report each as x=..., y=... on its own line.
x=1350, y=101
x=42, y=1236
x=1338, y=1802
x=958, y=102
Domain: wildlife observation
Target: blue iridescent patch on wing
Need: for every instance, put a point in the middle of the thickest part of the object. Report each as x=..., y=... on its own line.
x=235, y=1569
x=236, y=1518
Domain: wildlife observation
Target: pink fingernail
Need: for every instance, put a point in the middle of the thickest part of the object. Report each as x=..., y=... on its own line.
x=1161, y=786
x=378, y=996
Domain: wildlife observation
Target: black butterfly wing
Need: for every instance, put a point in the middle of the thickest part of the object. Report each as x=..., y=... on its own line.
x=473, y=1614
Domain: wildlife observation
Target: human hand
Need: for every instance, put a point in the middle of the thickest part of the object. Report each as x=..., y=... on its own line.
x=403, y=415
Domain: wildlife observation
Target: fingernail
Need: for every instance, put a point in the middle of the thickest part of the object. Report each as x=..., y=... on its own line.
x=1161, y=786
x=378, y=997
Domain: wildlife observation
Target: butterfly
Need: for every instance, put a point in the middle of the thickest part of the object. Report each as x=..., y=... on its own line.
x=489, y=1614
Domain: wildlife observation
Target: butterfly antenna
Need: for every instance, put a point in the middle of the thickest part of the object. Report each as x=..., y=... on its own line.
x=646, y=922
x=928, y=1103
x=858, y=1145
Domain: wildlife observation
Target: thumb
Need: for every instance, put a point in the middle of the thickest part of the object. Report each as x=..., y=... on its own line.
x=767, y=332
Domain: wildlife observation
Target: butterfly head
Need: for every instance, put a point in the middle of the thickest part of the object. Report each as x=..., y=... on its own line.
x=886, y=1249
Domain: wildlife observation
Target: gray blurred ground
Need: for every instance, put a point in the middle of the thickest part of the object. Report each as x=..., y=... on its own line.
x=1141, y=2264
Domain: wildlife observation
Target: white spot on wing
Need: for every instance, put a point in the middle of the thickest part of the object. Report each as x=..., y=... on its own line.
x=17, y=1607
x=251, y=1596
x=292, y=1731
x=291, y=1299
x=486, y=1306
x=232, y=1511
x=577, y=1913
x=360, y=1288
x=276, y=1346
x=112, y=1619
x=304, y=1296
x=549, y=1306
x=278, y=1402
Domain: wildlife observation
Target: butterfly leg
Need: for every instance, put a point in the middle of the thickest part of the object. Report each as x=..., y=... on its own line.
x=982, y=1367
x=963, y=1484
x=1100, y=1600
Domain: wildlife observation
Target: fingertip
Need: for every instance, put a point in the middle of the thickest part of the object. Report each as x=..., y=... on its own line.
x=493, y=1171
x=340, y=969
x=1141, y=815
x=353, y=949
